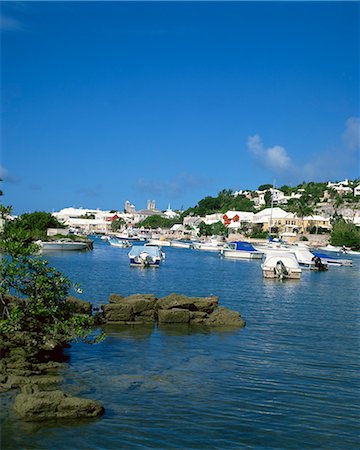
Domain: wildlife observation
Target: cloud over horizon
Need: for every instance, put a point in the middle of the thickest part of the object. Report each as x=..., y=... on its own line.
x=326, y=164
x=351, y=135
x=5, y=175
x=276, y=157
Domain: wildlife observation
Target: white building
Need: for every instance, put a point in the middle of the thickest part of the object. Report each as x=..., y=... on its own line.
x=357, y=190
x=237, y=219
x=170, y=214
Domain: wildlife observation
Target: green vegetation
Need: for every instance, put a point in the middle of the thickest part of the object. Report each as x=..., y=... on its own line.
x=87, y=216
x=344, y=233
x=33, y=304
x=265, y=187
x=117, y=224
x=157, y=221
x=225, y=201
x=216, y=229
x=33, y=225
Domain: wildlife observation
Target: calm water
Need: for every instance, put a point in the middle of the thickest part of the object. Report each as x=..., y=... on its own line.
x=290, y=379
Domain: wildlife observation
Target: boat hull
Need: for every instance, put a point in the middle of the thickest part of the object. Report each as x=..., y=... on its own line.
x=64, y=246
x=238, y=254
x=136, y=263
x=293, y=274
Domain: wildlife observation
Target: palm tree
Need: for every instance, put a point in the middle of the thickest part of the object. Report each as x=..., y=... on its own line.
x=302, y=207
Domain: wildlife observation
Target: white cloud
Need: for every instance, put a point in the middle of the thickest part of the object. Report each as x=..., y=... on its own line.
x=351, y=135
x=5, y=175
x=275, y=157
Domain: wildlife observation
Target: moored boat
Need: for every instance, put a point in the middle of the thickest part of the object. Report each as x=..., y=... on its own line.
x=332, y=260
x=180, y=243
x=145, y=256
x=159, y=243
x=121, y=243
x=213, y=245
x=308, y=260
x=62, y=245
x=281, y=266
x=241, y=250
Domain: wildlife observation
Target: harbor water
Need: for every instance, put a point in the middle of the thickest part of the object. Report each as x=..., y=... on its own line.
x=288, y=380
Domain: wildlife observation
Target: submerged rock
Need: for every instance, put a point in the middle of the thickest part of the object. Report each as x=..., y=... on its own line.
x=47, y=405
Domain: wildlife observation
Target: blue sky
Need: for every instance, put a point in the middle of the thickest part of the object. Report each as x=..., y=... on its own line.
x=104, y=102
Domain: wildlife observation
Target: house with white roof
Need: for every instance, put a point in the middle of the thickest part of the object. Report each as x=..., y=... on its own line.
x=237, y=219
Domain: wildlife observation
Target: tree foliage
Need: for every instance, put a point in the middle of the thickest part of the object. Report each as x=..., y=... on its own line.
x=34, y=224
x=157, y=221
x=344, y=233
x=117, y=224
x=33, y=294
x=223, y=202
x=216, y=229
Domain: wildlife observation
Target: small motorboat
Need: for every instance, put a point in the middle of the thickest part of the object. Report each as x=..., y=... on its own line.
x=213, y=245
x=145, y=256
x=281, y=266
x=241, y=250
x=159, y=243
x=181, y=243
x=308, y=260
x=340, y=250
x=121, y=243
x=332, y=260
x=63, y=245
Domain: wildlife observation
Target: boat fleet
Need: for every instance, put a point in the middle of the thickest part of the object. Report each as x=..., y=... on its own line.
x=280, y=260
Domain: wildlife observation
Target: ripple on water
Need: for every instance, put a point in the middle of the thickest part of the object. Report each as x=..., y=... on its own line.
x=288, y=380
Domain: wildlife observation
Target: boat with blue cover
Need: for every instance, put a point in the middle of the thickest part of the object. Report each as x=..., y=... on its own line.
x=145, y=256
x=241, y=250
x=332, y=260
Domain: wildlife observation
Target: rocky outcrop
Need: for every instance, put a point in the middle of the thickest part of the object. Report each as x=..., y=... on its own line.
x=79, y=306
x=174, y=308
x=48, y=405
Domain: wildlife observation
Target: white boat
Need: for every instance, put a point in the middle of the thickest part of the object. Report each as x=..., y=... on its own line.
x=63, y=245
x=179, y=243
x=121, y=243
x=332, y=260
x=159, y=242
x=272, y=247
x=308, y=260
x=210, y=246
x=281, y=266
x=341, y=250
x=145, y=256
x=241, y=250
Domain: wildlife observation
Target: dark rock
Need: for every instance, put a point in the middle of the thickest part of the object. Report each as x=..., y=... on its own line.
x=175, y=315
x=225, y=317
x=145, y=317
x=198, y=317
x=204, y=304
x=80, y=306
x=117, y=312
x=140, y=302
x=116, y=298
x=39, y=405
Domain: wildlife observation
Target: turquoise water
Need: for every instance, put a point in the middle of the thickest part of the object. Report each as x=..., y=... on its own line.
x=290, y=379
